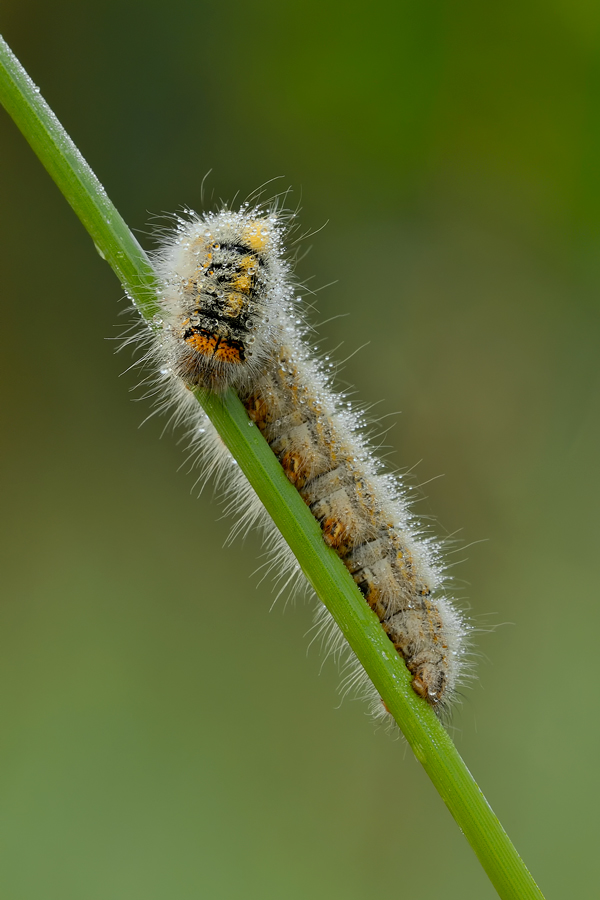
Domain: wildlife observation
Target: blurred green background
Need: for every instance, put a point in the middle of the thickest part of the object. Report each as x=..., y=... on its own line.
x=453, y=149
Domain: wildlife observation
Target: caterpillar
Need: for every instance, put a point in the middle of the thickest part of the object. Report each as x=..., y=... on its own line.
x=230, y=317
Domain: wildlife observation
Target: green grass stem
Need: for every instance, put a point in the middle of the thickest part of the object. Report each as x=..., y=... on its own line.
x=325, y=571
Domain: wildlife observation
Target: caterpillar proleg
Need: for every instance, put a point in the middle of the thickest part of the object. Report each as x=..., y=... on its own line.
x=230, y=317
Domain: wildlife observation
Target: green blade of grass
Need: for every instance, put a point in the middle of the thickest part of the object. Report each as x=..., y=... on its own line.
x=324, y=570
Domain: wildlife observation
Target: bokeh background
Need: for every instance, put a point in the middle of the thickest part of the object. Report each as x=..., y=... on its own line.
x=453, y=149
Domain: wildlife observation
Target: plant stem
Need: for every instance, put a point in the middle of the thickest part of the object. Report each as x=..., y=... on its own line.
x=324, y=570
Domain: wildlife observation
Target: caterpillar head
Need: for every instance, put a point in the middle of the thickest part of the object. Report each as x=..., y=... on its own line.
x=224, y=285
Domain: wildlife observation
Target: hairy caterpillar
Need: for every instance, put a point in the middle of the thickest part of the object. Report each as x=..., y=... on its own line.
x=230, y=317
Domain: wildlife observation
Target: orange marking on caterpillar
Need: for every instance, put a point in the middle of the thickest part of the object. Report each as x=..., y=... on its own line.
x=229, y=351
x=202, y=342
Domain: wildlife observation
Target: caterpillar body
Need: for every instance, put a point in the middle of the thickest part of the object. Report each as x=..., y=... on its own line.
x=230, y=317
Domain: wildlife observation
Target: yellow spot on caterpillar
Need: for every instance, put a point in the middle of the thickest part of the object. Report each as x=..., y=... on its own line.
x=234, y=306
x=242, y=283
x=256, y=235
